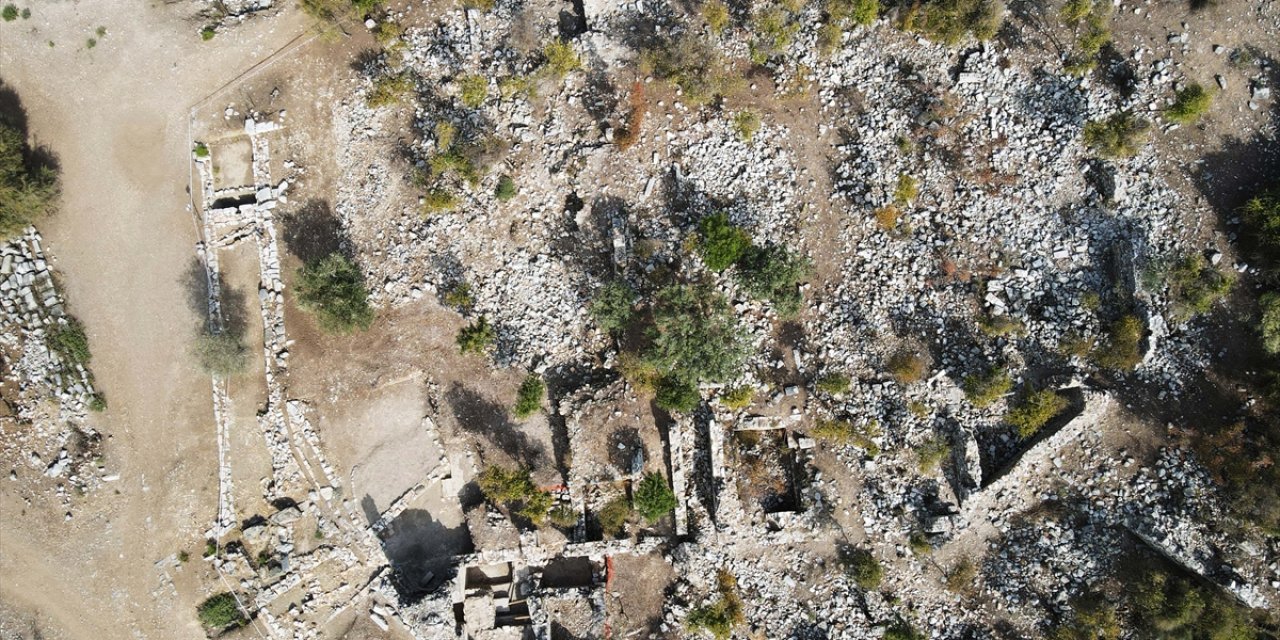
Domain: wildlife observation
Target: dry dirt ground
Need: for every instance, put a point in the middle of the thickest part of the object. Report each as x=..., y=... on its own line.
x=115, y=114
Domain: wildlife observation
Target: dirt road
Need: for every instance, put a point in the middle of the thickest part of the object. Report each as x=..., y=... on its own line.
x=116, y=116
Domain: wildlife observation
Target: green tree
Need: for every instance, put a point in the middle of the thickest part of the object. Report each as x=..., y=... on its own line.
x=653, y=498
x=1189, y=104
x=501, y=485
x=694, y=336
x=864, y=568
x=333, y=289
x=772, y=273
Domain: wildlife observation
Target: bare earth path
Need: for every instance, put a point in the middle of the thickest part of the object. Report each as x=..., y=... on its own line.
x=116, y=116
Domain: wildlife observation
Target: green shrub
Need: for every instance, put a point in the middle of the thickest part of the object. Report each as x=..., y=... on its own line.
x=459, y=297
x=387, y=33
x=201, y=150
x=560, y=57
x=1189, y=104
x=222, y=353
x=438, y=200
x=9, y=13
x=208, y=33
x=908, y=367
x=653, y=498
x=985, y=388
x=535, y=507
x=736, y=398
x=948, y=21
x=612, y=306
x=1269, y=325
x=333, y=289
x=833, y=383
x=503, y=486
x=931, y=453
x=722, y=243
x=529, y=396
x=1034, y=411
x=476, y=337
x=473, y=89
x=694, y=336
x=774, y=274
x=859, y=12
x=864, y=568
x=506, y=189
x=773, y=31
x=843, y=431
x=98, y=402
x=746, y=123
x=613, y=516
x=906, y=190
x=28, y=192
x=1195, y=285
x=1093, y=617
x=1121, y=348
x=1120, y=135
x=716, y=15
x=69, y=341
x=220, y=611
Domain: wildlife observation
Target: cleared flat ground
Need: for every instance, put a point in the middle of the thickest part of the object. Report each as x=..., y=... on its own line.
x=116, y=116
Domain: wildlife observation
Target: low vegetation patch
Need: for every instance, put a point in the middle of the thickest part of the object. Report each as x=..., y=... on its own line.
x=931, y=453
x=833, y=383
x=746, y=123
x=906, y=190
x=472, y=90
x=1195, y=286
x=28, y=189
x=844, y=431
x=1121, y=349
x=982, y=389
x=737, y=398
x=506, y=189
x=1269, y=323
x=613, y=516
x=720, y=617
x=221, y=353
x=863, y=567
x=69, y=341
x=950, y=21
x=908, y=366
x=390, y=89
x=1119, y=136
x=333, y=289
x=560, y=58
x=693, y=65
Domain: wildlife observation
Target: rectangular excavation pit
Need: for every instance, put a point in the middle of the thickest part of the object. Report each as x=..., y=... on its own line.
x=765, y=470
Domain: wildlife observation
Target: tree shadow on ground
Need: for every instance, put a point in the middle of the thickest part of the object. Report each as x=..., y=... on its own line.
x=313, y=232
x=421, y=550
x=12, y=114
x=483, y=417
x=234, y=304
